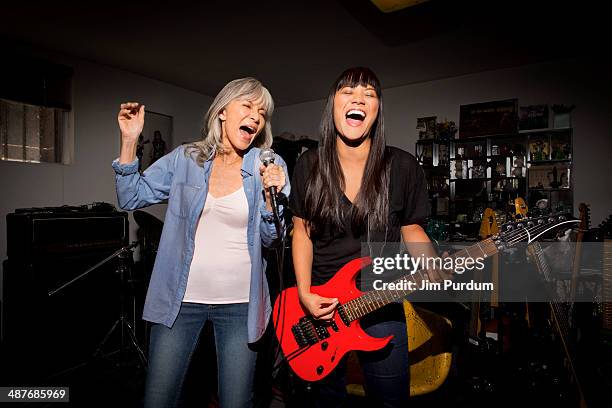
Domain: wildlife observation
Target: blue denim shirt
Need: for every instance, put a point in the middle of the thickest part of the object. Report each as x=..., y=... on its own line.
x=179, y=179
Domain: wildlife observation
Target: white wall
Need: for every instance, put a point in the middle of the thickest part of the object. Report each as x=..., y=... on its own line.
x=97, y=93
x=584, y=83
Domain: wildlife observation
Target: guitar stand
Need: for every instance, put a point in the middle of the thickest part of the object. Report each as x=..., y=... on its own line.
x=122, y=323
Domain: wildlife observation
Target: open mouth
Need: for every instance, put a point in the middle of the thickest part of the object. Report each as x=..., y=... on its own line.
x=355, y=117
x=249, y=129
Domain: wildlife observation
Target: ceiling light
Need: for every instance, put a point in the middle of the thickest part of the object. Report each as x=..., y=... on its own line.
x=389, y=6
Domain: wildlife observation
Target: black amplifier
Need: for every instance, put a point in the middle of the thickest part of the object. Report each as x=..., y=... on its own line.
x=48, y=247
x=64, y=231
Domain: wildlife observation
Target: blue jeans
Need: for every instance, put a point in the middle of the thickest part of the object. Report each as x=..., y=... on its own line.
x=386, y=371
x=171, y=349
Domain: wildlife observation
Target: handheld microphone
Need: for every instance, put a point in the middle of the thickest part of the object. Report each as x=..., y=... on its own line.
x=266, y=156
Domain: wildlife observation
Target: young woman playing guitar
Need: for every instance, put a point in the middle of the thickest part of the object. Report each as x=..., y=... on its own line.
x=354, y=189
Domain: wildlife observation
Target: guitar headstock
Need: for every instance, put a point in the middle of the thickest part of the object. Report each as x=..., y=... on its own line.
x=530, y=229
x=585, y=217
x=489, y=224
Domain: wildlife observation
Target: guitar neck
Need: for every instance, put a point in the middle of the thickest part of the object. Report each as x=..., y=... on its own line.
x=375, y=299
x=559, y=311
x=474, y=328
x=560, y=315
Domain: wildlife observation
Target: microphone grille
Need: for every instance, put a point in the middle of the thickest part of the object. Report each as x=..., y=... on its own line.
x=266, y=156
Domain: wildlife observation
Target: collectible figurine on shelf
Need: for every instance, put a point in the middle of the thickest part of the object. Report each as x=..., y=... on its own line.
x=503, y=185
x=494, y=150
x=554, y=183
x=500, y=169
x=557, y=153
x=541, y=208
x=564, y=180
x=442, y=154
x=427, y=127
x=567, y=150
x=519, y=164
x=560, y=151
x=459, y=169
x=478, y=171
x=446, y=130
x=539, y=150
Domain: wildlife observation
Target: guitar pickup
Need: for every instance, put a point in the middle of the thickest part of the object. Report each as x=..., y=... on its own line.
x=299, y=336
x=334, y=325
x=321, y=330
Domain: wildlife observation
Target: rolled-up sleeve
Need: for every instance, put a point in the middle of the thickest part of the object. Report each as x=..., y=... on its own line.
x=269, y=236
x=153, y=186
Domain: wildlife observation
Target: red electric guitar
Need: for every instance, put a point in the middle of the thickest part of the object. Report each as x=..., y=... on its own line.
x=314, y=347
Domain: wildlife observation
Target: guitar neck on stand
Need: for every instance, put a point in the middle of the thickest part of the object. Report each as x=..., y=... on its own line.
x=560, y=319
x=606, y=318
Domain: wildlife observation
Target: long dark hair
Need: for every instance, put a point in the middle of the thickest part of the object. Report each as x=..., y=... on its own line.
x=324, y=189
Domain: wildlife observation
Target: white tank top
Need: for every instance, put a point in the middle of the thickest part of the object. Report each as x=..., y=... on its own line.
x=220, y=270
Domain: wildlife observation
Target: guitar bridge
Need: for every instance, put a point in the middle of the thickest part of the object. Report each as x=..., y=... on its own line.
x=309, y=331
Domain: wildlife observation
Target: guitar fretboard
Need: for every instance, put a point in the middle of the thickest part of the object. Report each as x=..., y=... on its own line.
x=375, y=299
x=560, y=311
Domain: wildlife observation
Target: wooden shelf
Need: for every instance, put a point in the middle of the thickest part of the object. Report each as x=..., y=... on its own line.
x=546, y=130
x=549, y=189
x=550, y=161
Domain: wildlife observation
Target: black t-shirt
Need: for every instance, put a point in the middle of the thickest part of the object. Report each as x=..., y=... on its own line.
x=332, y=248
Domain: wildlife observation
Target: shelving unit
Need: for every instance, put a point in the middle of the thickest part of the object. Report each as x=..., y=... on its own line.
x=549, y=161
x=433, y=155
x=466, y=176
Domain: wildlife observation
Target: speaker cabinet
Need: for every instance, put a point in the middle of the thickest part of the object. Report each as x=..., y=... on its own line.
x=45, y=331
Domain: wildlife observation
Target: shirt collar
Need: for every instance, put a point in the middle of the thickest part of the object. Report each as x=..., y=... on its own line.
x=247, y=162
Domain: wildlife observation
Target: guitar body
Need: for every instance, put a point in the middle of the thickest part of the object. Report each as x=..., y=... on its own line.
x=313, y=362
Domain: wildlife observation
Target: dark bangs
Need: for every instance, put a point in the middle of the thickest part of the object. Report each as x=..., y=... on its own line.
x=355, y=76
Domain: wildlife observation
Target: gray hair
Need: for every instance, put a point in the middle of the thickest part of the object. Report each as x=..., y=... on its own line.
x=212, y=137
